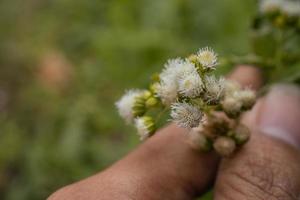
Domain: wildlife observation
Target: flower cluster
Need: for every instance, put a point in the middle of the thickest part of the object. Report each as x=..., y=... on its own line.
x=209, y=107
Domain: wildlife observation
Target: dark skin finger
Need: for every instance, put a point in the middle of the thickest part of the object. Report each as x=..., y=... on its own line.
x=268, y=167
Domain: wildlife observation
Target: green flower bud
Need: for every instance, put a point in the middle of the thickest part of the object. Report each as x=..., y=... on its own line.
x=149, y=123
x=155, y=77
x=153, y=87
x=280, y=21
x=151, y=102
x=193, y=58
x=142, y=102
x=139, y=106
x=147, y=94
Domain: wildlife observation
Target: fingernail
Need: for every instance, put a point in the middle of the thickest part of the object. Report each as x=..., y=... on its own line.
x=280, y=114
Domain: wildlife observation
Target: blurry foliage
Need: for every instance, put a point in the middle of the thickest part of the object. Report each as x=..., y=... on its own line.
x=63, y=63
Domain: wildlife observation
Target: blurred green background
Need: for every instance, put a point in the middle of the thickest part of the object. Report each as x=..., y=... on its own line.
x=64, y=63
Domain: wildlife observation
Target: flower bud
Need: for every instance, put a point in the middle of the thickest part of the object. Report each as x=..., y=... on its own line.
x=147, y=94
x=198, y=141
x=280, y=21
x=225, y=146
x=231, y=87
x=151, y=102
x=193, y=58
x=241, y=134
x=232, y=107
x=247, y=98
x=153, y=87
x=215, y=126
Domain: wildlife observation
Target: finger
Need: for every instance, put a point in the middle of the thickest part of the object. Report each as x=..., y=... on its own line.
x=268, y=167
x=248, y=76
x=164, y=167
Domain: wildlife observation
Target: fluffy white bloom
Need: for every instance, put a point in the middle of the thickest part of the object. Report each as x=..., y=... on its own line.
x=144, y=126
x=267, y=6
x=126, y=103
x=174, y=69
x=167, y=91
x=207, y=57
x=291, y=8
x=191, y=85
x=185, y=115
x=288, y=7
x=215, y=88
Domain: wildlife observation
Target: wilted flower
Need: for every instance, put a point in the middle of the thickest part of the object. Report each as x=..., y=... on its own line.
x=125, y=104
x=186, y=115
x=207, y=58
x=145, y=126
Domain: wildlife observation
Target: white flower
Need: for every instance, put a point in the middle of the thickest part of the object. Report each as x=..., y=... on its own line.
x=174, y=69
x=185, y=115
x=288, y=7
x=167, y=91
x=215, y=89
x=144, y=126
x=190, y=85
x=207, y=58
x=267, y=6
x=125, y=104
x=291, y=8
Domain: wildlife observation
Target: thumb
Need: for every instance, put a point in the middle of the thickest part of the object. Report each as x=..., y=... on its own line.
x=268, y=167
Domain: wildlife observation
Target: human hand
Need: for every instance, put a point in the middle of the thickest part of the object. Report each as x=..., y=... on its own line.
x=165, y=167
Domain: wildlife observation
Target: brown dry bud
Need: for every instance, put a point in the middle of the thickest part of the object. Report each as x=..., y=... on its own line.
x=225, y=146
x=198, y=141
x=241, y=134
x=215, y=126
x=232, y=107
